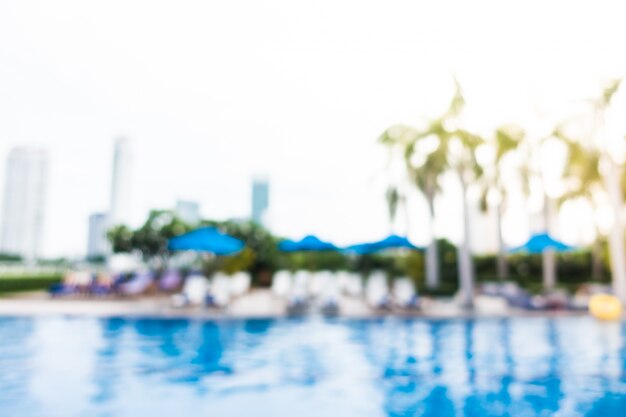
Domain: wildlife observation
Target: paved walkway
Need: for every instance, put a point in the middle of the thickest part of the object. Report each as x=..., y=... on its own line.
x=257, y=303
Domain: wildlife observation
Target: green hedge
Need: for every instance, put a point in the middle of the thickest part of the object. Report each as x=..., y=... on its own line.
x=10, y=284
x=573, y=269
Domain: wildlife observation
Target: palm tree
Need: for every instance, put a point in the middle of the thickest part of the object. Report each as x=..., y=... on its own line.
x=429, y=153
x=458, y=146
x=531, y=172
x=583, y=181
x=504, y=143
x=425, y=177
x=469, y=171
x=611, y=176
x=396, y=199
x=550, y=212
x=392, y=195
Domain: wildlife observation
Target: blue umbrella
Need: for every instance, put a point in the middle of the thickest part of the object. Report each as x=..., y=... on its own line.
x=390, y=242
x=206, y=239
x=308, y=243
x=540, y=242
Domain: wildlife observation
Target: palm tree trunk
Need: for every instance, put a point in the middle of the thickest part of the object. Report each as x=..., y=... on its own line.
x=432, y=257
x=464, y=258
x=612, y=180
x=549, y=269
x=548, y=255
x=503, y=265
x=407, y=220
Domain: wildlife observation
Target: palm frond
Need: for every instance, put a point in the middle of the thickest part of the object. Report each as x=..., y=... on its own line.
x=508, y=139
x=397, y=135
x=457, y=103
x=609, y=91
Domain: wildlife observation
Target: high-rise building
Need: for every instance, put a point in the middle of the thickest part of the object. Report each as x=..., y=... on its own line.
x=120, y=210
x=188, y=211
x=260, y=200
x=97, y=244
x=24, y=202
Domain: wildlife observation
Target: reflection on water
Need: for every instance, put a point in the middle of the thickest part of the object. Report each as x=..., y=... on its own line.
x=387, y=367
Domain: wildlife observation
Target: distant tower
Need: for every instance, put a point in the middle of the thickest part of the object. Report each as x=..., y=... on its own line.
x=120, y=211
x=260, y=200
x=97, y=244
x=188, y=211
x=24, y=202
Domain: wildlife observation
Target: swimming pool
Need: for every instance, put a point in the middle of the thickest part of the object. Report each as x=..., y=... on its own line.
x=311, y=367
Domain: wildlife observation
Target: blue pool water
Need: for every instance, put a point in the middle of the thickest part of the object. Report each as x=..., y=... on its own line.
x=311, y=367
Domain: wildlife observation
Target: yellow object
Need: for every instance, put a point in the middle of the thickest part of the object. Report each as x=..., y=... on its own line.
x=605, y=307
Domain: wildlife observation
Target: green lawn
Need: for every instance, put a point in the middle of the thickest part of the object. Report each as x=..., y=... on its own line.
x=20, y=283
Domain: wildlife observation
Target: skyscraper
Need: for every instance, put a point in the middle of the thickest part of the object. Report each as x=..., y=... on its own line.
x=188, y=211
x=24, y=202
x=260, y=200
x=97, y=244
x=120, y=211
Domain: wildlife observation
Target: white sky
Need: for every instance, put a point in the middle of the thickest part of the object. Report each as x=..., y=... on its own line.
x=213, y=92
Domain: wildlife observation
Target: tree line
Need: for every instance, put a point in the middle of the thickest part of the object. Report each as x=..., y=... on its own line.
x=592, y=172
x=261, y=257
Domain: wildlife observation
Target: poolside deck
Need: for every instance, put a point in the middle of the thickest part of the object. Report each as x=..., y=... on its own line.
x=255, y=304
